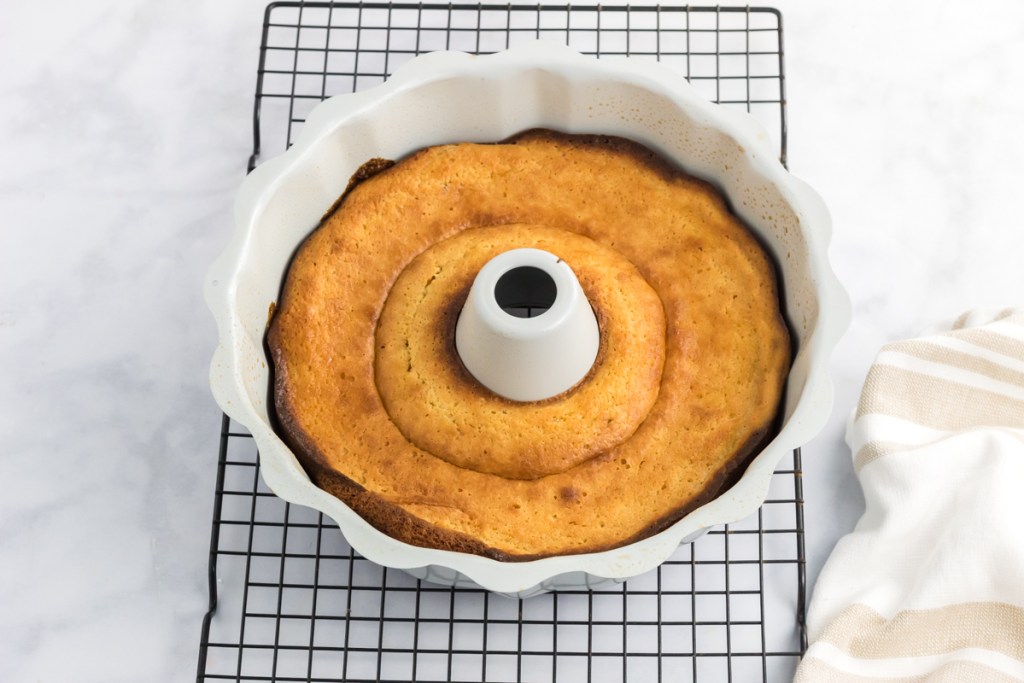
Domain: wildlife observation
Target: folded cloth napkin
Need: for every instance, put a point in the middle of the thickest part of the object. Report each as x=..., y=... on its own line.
x=930, y=584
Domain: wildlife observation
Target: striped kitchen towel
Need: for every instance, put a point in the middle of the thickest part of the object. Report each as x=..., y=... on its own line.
x=930, y=584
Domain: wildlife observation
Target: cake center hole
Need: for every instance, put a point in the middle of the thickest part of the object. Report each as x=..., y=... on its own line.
x=525, y=292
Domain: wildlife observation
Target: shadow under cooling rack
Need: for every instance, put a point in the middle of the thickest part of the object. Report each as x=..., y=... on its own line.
x=291, y=601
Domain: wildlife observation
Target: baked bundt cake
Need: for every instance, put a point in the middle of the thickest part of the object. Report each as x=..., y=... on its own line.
x=371, y=396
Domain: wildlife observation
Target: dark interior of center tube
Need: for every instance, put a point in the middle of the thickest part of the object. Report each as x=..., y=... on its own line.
x=525, y=292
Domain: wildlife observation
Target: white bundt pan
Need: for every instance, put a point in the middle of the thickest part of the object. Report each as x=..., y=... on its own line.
x=447, y=97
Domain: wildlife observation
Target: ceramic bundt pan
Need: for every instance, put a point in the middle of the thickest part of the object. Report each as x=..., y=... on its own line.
x=534, y=86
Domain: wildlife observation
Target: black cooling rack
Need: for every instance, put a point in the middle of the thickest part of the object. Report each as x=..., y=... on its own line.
x=291, y=601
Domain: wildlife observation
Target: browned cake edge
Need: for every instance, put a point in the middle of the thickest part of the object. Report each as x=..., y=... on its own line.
x=382, y=515
x=395, y=522
x=366, y=171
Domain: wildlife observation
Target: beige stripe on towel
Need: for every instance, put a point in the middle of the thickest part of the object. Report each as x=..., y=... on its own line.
x=814, y=670
x=864, y=633
x=993, y=341
x=873, y=450
x=1014, y=315
x=958, y=359
x=937, y=403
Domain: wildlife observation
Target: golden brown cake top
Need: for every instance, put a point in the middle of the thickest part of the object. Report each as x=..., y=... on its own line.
x=688, y=307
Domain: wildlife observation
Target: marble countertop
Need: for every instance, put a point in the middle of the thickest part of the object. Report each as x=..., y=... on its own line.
x=124, y=128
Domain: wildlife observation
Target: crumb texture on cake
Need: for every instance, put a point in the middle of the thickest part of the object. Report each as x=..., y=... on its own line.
x=421, y=378
x=371, y=396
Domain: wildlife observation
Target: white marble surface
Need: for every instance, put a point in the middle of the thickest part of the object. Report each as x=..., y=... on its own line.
x=123, y=133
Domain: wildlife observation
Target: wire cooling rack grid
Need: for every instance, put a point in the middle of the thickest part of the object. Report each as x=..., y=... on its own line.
x=291, y=601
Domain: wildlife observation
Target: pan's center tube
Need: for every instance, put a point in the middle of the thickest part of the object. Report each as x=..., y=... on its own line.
x=527, y=331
